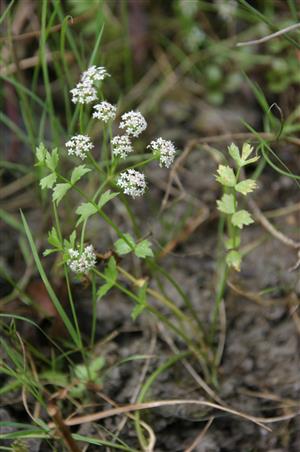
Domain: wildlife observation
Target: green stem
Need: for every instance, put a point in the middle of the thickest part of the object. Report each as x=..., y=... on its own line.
x=94, y=310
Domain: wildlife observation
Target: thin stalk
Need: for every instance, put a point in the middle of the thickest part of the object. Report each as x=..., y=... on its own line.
x=94, y=310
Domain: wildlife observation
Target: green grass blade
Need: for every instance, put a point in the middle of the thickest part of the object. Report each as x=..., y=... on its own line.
x=48, y=286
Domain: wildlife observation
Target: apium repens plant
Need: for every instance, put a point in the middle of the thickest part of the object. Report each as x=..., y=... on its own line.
x=236, y=218
x=80, y=257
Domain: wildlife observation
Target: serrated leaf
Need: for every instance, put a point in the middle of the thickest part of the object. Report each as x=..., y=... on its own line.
x=246, y=152
x=226, y=204
x=234, y=259
x=40, y=152
x=60, y=191
x=52, y=159
x=143, y=249
x=226, y=176
x=122, y=247
x=71, y=242
x=53, y=238
x=85, y=210
x=48, y=181
x=246, y=186
x=78, y=172
x=102, y=291
x=105, y=197
x=81, y=372
x=111, y=274
x=137, y=311
x=241, y=218
x=96, y=365
x=235, y=153
x=73, y=239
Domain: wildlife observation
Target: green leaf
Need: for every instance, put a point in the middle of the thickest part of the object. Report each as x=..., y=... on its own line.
x=81, y=372
x=54, y=377
x=60, y=191
x=105, y=197
x=143, y=249
x=246, y=186
x=96, y=365
x=85, y=210
x=226, y=204
x=53, y=238
x=235, y=154
x=48, y=181
x=137, y=310
x=122, y=247
x=40, y=153
x=241, y=218
x=52, y=160
x=110, y=274
x=234, y=259
x=78, y=172
x=246, y=152
x=111, y=271
x=102, y=291
x=226, y=176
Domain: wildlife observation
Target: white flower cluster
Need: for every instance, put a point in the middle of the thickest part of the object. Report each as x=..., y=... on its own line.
x=85, y=92
x=82, y=262
x=132, y=183
x=105, y=111
x=94, y=73
x=79, y=145
x=121, y=146
x=133, y=122
x=165, y=150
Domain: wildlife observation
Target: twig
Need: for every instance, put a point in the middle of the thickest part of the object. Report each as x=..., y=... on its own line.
x=36, y=33
x=270, y=228
x=62, y=427
x=269, y=37
x=200, y=437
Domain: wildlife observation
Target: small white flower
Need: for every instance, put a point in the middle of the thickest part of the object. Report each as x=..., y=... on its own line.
x=79, y=145
x=83, y=93
x=165, y=149
x=132, y=183
x=105, y=111
x=133, y=122
x=82, y=262
x=122, y=146
x=94, y=73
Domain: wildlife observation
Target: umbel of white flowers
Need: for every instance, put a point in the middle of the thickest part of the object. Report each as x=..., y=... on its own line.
x=133, y=122
x=105, y=111
x=82, y=261
x=132, y=183
x=79, y=145
x=164, y=149
x=121, y=146
x=85, y=91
